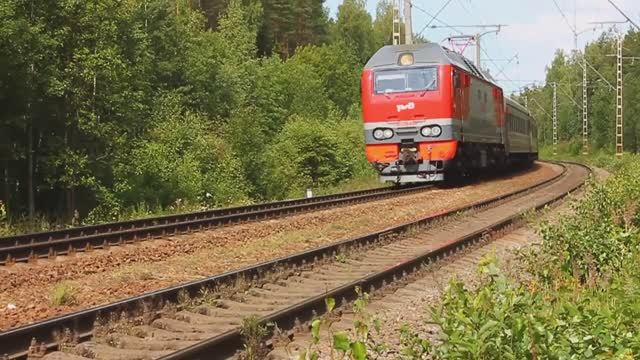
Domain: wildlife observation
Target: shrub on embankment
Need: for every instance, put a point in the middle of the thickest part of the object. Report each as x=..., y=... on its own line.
x=576, y=295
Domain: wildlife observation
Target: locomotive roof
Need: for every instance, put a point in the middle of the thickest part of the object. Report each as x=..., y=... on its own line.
x=429, y=53
x=432, y=53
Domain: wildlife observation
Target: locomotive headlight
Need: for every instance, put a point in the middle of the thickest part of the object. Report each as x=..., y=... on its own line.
x=436, y=130
x=382, y=134
x=426, y=131
x=406, y=59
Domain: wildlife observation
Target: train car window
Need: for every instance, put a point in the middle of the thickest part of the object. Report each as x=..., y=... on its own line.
x=521, y=125
x=406, y=80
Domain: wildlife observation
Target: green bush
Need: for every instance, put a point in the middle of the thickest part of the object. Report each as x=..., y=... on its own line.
x=602, y=234
x=181, y=160
x=580, y=299
x=4, y=222
x=506, y=320
x=312, y=153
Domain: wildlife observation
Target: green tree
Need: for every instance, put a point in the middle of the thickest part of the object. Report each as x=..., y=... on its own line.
x=338, y=68
x=292, y=23
x=181, y=159
x=355, y=28
x=108, y=106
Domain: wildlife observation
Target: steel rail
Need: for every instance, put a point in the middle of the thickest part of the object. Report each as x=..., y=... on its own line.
x=16, y=342
x=26, y=247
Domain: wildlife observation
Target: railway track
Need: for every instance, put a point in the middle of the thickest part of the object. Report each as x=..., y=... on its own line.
x=406, y=302
x=201, y=319
x=49, y=244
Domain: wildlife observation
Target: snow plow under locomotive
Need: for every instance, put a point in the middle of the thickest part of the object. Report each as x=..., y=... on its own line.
x=429, y=112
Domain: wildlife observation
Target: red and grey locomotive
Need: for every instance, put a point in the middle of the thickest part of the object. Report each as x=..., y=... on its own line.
x=429, y=111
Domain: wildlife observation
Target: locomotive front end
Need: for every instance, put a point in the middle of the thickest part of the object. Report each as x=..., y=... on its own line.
x=410, y=131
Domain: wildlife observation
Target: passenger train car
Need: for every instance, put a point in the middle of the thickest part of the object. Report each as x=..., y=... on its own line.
x=429, y=113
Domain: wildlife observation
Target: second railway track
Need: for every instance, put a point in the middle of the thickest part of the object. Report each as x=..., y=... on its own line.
x=49, y=244
x=284, y=291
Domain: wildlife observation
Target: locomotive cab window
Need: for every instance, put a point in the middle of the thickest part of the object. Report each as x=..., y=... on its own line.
x=406, y=80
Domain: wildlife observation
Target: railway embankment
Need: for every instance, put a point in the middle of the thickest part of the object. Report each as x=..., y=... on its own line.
x=34, y=290
x=564, y=286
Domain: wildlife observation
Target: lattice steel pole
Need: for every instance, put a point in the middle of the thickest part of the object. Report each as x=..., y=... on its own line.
x=585, y=109
x=619, y=108
x=555, y=118
x=395, y=9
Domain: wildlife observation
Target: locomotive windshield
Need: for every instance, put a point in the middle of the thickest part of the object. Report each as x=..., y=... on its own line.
x=406, y=80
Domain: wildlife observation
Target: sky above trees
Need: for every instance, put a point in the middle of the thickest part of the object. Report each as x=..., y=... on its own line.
x=536, y=29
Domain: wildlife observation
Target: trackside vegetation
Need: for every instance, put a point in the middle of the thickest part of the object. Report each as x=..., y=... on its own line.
x=576, y=295
x=118, y=109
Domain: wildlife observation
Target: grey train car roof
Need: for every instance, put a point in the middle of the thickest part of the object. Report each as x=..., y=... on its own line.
x=517, y=105
x=429, y=53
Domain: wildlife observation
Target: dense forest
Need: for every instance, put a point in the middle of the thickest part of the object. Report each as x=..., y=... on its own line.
x=117, y=106
x=566, y=69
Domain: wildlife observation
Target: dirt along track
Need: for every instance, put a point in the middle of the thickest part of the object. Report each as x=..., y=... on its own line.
x=100, y=277
x=176, y=327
